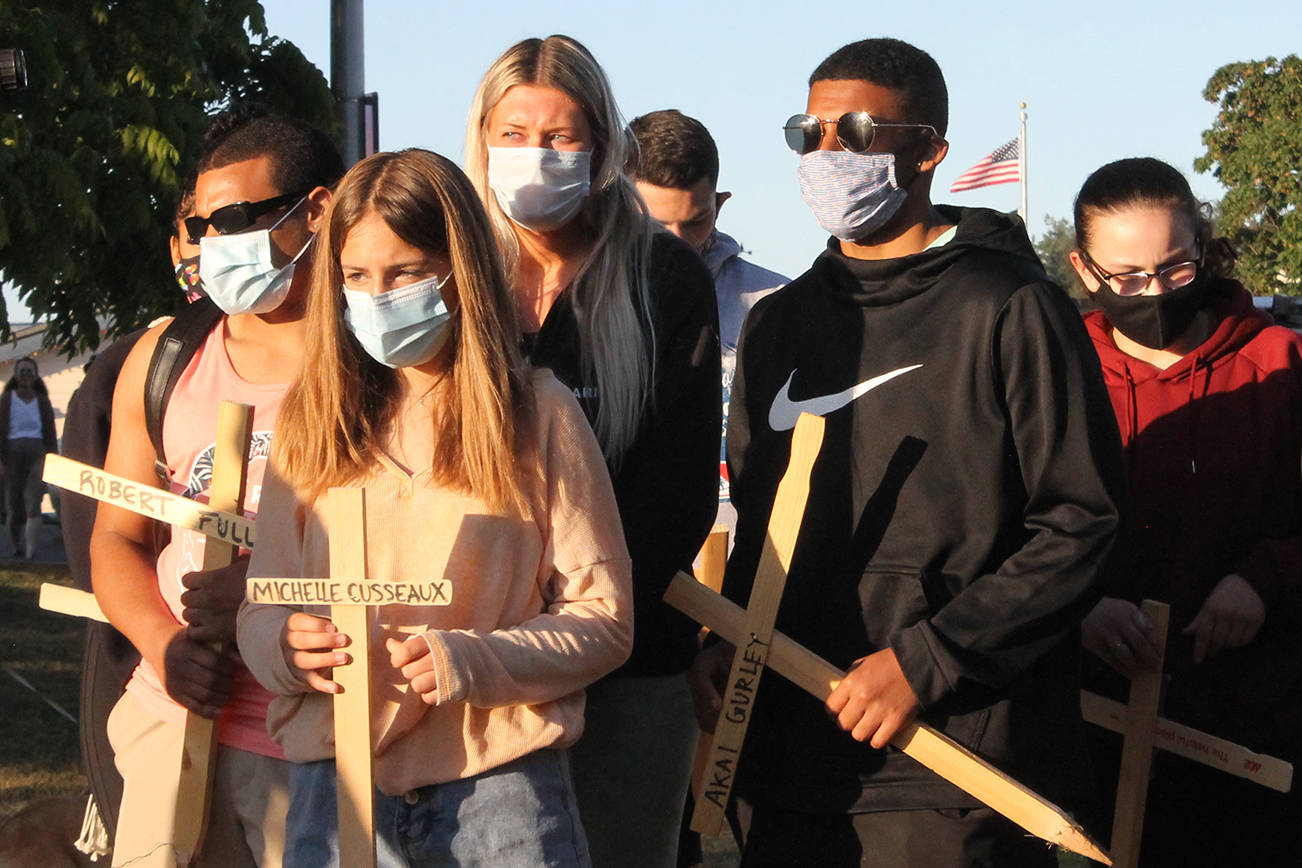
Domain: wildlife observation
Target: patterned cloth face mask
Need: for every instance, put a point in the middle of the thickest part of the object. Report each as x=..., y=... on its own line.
x=851, y=195
x=187, y=277
x=402, y=327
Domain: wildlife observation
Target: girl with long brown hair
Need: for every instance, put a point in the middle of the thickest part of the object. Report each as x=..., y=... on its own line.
x=479, y=472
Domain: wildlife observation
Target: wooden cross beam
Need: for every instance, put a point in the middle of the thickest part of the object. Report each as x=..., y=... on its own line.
x=933, y=749
x=1185, y=741
x=1138, y=723
x=714, y=557
x=227, y=532
x=199, y=753
x=142, y=499
x=350, y=595
x=1137, y=747
x=748, y=660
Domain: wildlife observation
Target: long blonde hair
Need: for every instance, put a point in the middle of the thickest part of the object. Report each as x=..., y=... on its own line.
x=610, y=293
x=335, y=418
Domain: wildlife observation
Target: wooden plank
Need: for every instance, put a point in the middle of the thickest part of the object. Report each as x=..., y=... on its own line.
x=70, y=601
x=714, y=557
x=943, y=756
x=346, y=514
x=742, y=685
x=1185, y=741
x=347, y=590
x=199, y=751
x=1137, y=747
x=149, y=501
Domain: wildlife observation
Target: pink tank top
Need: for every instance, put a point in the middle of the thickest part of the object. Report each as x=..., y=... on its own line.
x=189, y=435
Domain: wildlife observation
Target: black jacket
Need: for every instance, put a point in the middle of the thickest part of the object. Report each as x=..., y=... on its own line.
x=108, y=658
x=668, y=481
x=961, y=512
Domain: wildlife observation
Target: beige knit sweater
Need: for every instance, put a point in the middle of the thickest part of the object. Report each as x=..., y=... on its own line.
x=541, y=607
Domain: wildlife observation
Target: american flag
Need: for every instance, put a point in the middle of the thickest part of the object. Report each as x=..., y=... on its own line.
x=1000, y=166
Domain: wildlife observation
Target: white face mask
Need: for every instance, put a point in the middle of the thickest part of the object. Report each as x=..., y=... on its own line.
x=237, y=273
x=539, y=188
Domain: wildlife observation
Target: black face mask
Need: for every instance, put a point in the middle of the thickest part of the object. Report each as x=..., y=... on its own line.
x=1154, y=320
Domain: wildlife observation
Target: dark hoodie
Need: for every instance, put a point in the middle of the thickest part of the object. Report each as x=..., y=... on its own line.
x=961, y=512
x=666, y=485
x=1212, y=446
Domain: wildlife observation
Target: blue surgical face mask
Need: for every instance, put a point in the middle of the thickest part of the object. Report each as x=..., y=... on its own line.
x=851, y=195
x=402, y=327
x=237, y=273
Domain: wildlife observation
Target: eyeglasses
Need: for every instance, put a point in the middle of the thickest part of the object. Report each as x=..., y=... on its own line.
x=1125, y=283
x=237, y=216
x=854, y=130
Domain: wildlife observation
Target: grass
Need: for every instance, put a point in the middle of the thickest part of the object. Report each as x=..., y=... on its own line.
x=39, y=751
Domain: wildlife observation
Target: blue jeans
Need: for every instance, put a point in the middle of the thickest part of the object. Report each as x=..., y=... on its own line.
x=519, y=815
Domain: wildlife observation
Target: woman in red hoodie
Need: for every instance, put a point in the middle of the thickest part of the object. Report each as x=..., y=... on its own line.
x=1208, y=398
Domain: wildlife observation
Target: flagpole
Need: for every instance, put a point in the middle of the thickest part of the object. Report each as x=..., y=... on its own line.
x=1021, y=158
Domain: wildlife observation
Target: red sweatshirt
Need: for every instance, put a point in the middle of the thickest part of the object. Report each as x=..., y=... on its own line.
x=1213, y=445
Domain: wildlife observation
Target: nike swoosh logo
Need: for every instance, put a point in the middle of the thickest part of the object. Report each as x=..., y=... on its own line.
x=784, y=412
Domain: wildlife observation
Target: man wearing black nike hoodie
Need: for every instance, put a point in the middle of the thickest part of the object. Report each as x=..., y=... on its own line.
x=962, y=511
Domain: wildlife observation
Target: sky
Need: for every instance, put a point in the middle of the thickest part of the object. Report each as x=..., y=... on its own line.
x=1102, y=81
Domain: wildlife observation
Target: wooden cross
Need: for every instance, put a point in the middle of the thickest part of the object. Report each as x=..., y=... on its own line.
x=933, y=749
x=1139, y=725
x=1209, y=750
x=220, y=519
x=350, y=595
x=759, y=646
x=748, y=660
x=199, y=754
x=144, y=499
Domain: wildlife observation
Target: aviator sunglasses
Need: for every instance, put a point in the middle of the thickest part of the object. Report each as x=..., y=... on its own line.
x=854, y=130
x=236, y=217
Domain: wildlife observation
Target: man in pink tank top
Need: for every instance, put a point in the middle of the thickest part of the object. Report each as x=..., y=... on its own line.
x=263, y=186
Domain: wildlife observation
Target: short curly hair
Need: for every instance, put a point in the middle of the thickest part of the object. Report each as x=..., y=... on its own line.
x=897, y=65
x=303, y=156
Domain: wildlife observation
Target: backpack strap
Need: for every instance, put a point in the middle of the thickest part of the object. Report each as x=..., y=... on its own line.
x=176, y=346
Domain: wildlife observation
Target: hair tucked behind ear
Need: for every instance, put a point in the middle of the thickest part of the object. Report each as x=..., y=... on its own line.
x=336, y=416
x=1147, y=181
x=611, y=293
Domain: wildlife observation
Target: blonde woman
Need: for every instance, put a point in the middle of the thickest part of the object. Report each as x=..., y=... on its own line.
x=626, y=318
x=478, y=472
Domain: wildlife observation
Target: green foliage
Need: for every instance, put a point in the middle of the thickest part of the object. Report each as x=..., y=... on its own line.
x=93, y=151
x=1254, y=148
x=1058, y=240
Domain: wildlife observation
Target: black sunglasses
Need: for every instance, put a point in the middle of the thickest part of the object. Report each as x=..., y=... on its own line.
x=854, y=130
x=236, y=217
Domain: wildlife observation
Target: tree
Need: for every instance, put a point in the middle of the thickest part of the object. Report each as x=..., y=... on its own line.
x=1052, y=247
x=1254, y=148
x=92, y=153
